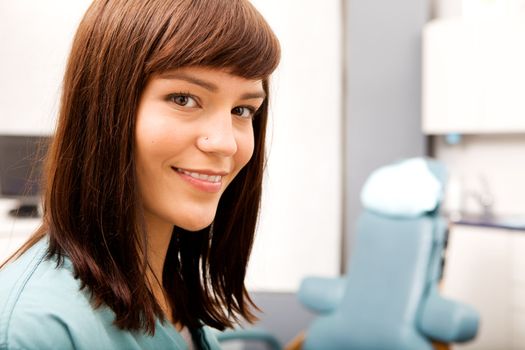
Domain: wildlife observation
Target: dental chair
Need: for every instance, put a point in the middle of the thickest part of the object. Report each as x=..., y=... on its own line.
x=389, y=299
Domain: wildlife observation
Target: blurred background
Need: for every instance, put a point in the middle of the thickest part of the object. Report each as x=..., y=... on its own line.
x=362, y=83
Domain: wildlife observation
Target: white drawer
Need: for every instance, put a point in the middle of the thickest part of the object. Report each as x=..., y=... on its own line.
x=517, y=254
x=517, y=298
x=517, y=330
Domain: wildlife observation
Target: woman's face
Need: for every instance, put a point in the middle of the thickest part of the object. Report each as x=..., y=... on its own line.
x=193, y=135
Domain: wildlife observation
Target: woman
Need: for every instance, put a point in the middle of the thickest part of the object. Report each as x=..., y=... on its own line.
x=153, y=181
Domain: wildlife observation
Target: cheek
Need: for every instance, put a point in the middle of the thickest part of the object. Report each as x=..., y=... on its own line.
x=158, y=138
x=245, y=146
x=157, y=146
x=150, y=134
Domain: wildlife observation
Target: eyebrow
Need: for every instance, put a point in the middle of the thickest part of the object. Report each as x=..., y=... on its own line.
x=252, y=95
x=209, y=85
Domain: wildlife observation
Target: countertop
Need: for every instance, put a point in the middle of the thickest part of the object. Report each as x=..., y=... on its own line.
x=510, y=222
x=10, y=226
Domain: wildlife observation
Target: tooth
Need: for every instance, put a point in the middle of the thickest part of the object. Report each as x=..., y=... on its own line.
x=203, y=177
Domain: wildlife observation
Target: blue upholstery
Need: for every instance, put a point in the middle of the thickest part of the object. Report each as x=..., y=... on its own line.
x=320, y=294
x=389, y=297
x=387, y=284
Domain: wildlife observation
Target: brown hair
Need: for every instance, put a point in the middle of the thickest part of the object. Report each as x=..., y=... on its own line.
x=92, y=210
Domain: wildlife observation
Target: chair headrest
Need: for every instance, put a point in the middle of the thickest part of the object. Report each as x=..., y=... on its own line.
x=406, y=189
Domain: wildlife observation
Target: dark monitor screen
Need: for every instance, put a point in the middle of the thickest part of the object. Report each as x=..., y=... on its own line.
x=21, y=160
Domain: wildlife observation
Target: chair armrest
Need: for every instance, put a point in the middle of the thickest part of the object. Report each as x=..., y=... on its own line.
x=250, y=334
x=321, y=294
x=447, y=320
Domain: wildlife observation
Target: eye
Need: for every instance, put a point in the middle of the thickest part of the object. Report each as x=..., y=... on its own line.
x=244, y=112
x=184, y=100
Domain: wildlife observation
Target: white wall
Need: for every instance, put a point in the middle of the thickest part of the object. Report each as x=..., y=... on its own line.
x=35, y=37
x=299, y=232
x=494, y=157
x=499, y=159
x=300, y=226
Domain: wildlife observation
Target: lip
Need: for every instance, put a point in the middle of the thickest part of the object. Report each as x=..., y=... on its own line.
x=201, y=185
x=203, y=171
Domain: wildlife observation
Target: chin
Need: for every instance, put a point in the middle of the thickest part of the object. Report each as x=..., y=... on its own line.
x=195, y=226
x=192, y=217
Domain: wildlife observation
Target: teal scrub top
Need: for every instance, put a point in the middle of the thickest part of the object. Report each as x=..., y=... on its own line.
x=42, y=307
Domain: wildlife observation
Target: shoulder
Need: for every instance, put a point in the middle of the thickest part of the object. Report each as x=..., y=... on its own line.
x=42, y=307
x=207, y=338
x=40, y=304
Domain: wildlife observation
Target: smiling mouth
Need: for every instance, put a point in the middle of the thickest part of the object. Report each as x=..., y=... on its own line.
x=199, y=176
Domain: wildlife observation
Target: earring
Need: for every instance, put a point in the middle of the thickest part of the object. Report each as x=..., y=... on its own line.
x=203, y=142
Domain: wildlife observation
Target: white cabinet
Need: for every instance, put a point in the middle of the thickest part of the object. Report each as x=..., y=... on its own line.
x=485, y=268
x=474, y=76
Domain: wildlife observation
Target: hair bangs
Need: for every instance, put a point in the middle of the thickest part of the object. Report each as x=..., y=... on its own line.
x=228, y=35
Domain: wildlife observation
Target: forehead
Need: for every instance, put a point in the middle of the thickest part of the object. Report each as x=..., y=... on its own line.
x=212, y=78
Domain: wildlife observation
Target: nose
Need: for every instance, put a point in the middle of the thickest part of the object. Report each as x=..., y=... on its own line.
x=218, y=135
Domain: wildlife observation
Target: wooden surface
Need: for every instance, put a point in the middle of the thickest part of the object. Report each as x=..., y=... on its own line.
x=297, y=343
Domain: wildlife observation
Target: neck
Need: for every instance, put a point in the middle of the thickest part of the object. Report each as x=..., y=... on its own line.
x=159, y=235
